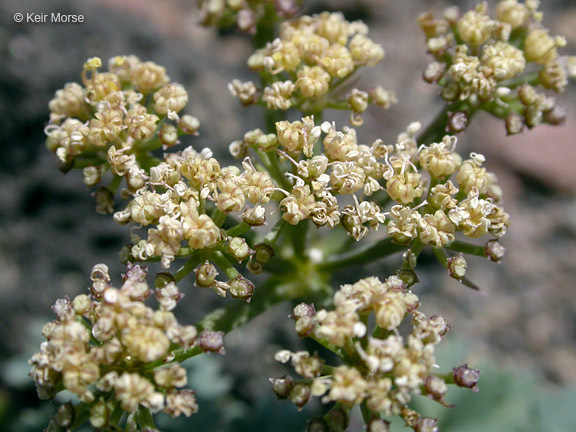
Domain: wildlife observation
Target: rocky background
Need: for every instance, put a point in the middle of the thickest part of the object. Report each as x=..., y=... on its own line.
x=50, y=235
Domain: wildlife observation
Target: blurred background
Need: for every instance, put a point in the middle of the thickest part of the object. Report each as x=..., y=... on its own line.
x=521, y=330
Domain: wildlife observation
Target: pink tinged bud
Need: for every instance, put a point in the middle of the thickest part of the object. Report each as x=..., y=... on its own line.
x=210, y=341
x=426, y=424
x=241, y=288
x=466, y=377
x=135, y=273
x=63, y=309
x=282, y=386
x=303, y=310
x=435, y=387
x=458, y=122
x=556, y=115
x=494, y=250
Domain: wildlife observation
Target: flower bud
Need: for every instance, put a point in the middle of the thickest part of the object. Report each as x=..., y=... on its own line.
x=407, y=276
x=282, y=386
x=303, y=310
x=338, y=419
x=163, y=279
x=466, y=377
x=410, y=416
x=378, y=425
x=450, y=92
x=556, y=115
x=317, y=425
x=210, y=341
x=475, y=26
x=457, y=266
x=168, y=135
x=434, y=72
x=241, y=288
x=91, y=176
x=514, y=123
x=267, y=142
x=104, y=200
x=255, y=216
x=189, y=124
x=239, y=249
x=458, y=122
x=206, y=274
x=436, y=387
x=358, y=100
x=494, y=250
x=81, y=304
x=426, y=424
x=511, y=12
x=300, y=395
x=65, y=415
x=99, y=414
x=382, y=97
x=254, y=266
x=540, y=47
x=263, y=253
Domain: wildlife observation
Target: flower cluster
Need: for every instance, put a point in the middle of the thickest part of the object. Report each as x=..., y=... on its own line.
x=244, y=14
x=382, y=368
x=176, y=194
x=499, y=61
x=427, y=204
x=311, y=58
x=101, y=344
x=114, y=120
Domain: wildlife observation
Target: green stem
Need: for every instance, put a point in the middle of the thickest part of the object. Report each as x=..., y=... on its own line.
x=233, y=315
x=145, y=418
x=218, y=216
x=361, y=255
x=467, y=248
x=226, y=266
x=275, y=232
x=367, y=415
x=187, y=268
x=272, y=165
x=238, y=230
x=336, y=350
x=114, y=183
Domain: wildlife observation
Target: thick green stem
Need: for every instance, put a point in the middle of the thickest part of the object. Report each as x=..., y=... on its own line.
x=272, y=165
x=299, y=234
x=218, y=216
x=238, y=230
x=361, y=255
